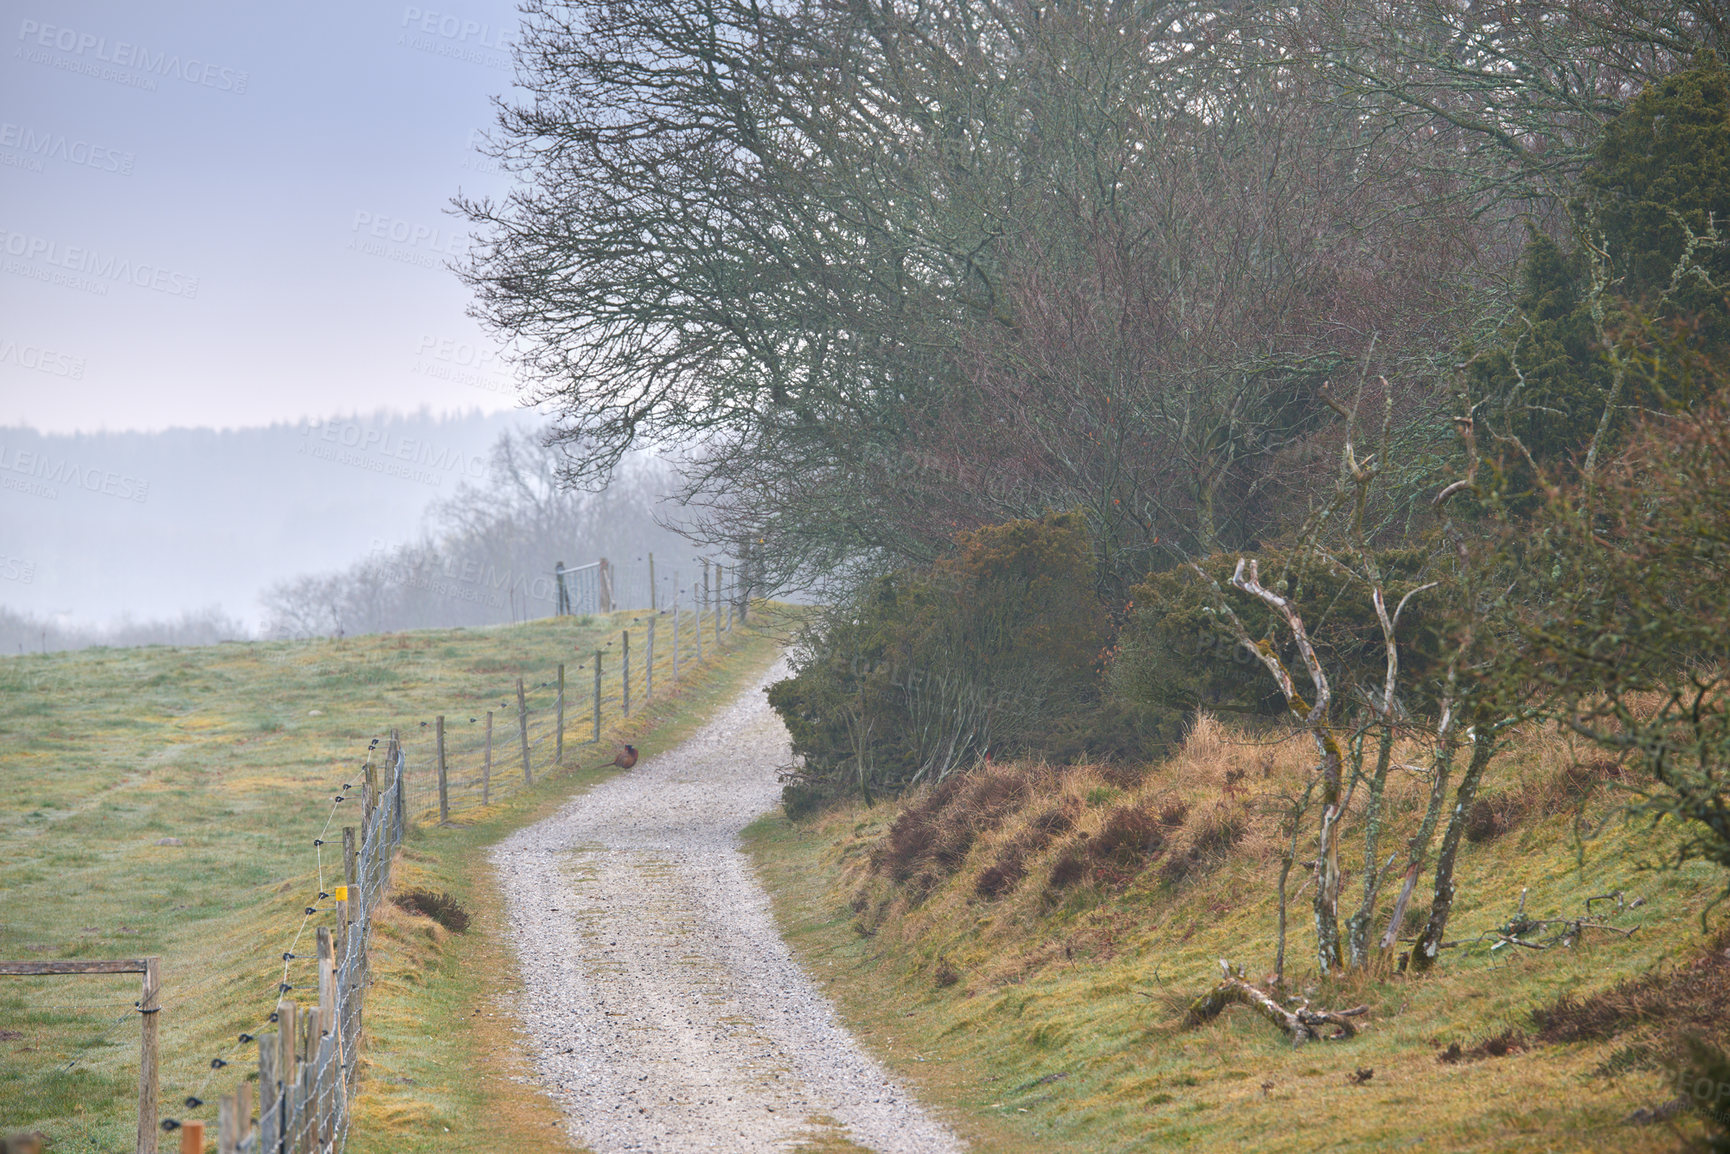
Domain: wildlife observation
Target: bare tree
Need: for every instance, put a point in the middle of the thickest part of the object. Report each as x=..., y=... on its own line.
x=893, y=271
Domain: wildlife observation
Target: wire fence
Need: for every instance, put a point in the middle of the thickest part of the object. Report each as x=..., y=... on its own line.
x=307, y=1050
x=307, y=1064
x=476, y=757
x=635, y=584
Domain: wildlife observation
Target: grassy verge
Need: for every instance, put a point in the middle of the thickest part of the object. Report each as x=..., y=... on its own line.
x=1042, y=1009
x=165, y=801
x=444, y=1068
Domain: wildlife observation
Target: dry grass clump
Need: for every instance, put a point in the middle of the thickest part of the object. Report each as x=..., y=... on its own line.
x=1010, y=866
x=1668, y=1019
x=1215, y=835
x=1542, y=795
x=439, y=906
x=1102, y=824
x=931, y=838
x=1219, y=800
x=1130, y=835
x=1070, y=867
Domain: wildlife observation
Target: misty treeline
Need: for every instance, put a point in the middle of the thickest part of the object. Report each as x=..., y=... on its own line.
x=488, y=552
x=32, y=633
x=1307, y=361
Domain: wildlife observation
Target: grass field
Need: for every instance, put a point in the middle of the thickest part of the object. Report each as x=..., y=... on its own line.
x=1042, y=1014
x=231, y=755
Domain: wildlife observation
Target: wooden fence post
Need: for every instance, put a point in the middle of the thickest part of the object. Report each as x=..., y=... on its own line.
x=559, y=738
x=287, y=1069
x=350, y=873
x=227, y=1127
x=651, y=582
x=625, y=681
x=350, y=857
x=487, y=766
x=698, y=615
x=269, y=1095
x=675, y=639
x=444, y=789
x=743, y=592
x=523, y=731
x=149, y=1008
x=649, y=665
x=192, y=1137
x=326, y=981
x=399, y=789
x=597, y=697
x=400, y=813
x=307, y=1111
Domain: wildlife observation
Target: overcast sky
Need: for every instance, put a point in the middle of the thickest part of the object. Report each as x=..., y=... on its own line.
x=228, y=214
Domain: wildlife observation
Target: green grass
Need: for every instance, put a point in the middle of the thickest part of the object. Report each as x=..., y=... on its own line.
x=1062, y=1028
x=235, y=750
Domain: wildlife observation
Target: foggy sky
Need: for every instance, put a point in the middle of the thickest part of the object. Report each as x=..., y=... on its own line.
x=232, y=214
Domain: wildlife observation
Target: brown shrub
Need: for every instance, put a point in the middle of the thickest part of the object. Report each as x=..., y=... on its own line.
x=1595, y=1017
x=1218, y=831
x=1130, y=835
x=919, y=833
x=1568, y=788
x=440, y=907
x=1485, y=821
x=1666, y=1011
x=1002, y=875
x=1010, y=866
x=931, y=838
x=1222, y=829
x=991, y=796
x=1070, y=868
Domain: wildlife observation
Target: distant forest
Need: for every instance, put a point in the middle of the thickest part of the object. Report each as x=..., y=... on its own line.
x=192, y=536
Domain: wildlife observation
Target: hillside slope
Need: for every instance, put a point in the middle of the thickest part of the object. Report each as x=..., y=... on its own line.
x=1023, y=947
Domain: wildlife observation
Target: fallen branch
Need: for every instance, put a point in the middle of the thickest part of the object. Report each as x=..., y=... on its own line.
x=1520, y=931
x=1300, y=1021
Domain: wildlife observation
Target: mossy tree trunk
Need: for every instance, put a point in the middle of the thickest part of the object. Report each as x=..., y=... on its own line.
x=1429, y=942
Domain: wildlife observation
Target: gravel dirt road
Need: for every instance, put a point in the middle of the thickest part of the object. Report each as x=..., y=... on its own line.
x=664, y=1011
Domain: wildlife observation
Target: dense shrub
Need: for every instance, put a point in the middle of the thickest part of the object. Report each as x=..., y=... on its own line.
x=997, y=648
x=1661, y=172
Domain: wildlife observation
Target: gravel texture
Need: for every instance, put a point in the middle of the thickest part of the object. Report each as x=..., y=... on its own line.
x=663, y=1010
